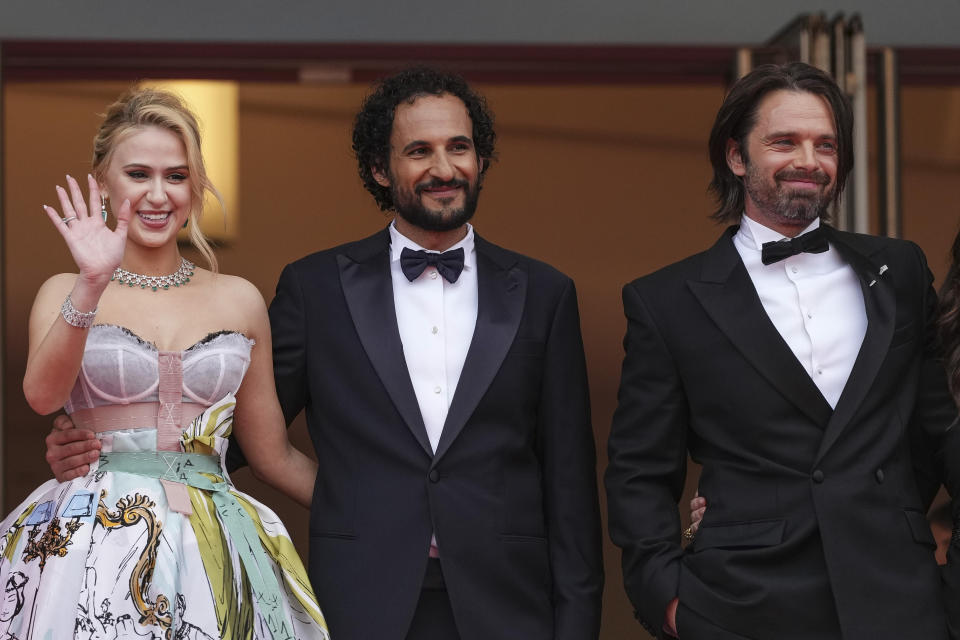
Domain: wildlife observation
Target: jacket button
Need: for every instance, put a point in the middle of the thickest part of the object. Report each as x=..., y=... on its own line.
x=434, y=476
x=818, y=476
x=879, y=476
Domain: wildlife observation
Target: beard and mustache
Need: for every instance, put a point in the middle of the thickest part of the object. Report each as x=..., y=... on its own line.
x=409, y=205
x=790, y=206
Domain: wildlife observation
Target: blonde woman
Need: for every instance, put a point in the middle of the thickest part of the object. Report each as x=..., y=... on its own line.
x=165, y=361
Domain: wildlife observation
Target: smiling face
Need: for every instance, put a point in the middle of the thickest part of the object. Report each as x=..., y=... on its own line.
x=789, y=163
x=149, y=168
x=12, y=597
x=434, y=171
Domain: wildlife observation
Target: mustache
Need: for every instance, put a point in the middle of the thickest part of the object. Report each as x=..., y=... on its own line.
x=817, y=177
x=440, y=184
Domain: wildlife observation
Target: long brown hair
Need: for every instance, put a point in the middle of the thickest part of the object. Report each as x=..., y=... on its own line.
x=738, y=115
x=948, y=322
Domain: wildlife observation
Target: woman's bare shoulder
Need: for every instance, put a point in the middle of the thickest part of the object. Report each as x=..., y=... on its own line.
x=56, y=287
x=241, y=289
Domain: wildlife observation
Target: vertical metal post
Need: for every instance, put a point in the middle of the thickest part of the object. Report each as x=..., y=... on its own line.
x=842, y=211
x=744, y=62
x=820, y=37
x=805, y=44
x=857, y=88
x=888, y=111
x=838, y=28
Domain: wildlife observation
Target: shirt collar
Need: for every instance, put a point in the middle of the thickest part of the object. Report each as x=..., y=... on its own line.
x=399, y=242
x=754, y=234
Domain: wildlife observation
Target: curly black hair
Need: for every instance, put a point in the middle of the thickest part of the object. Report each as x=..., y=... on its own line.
x=374, y=122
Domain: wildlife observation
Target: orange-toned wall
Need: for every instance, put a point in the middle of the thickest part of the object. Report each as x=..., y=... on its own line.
x=604, y=182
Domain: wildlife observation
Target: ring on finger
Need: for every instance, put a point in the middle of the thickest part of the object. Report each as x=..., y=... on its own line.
x=689, y=534
x=66, y=221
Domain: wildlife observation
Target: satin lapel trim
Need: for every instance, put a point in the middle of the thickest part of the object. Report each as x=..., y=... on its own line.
x=880, y=304
x=369, y=292
x=501, y=292
x=728, y=296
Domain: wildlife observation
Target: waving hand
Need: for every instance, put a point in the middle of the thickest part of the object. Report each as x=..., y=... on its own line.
x=96, y=249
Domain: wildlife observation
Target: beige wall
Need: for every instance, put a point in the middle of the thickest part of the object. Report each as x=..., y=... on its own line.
x=604, y=182
x=931, y=170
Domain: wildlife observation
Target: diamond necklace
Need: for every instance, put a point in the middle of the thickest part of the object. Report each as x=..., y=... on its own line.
x=177, y=278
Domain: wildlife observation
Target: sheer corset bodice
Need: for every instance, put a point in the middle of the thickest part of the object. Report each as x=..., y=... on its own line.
x=154, y=541
x=119, y=367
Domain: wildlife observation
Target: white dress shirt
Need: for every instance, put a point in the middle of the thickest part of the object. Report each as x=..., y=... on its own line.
x=436, y=319
x=815, y=302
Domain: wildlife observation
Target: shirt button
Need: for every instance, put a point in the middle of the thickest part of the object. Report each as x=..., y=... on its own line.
x=435, y=331
x=433, y=275
x=819, y=372
x=794, y=269
x=437, y=389
x=809, y=315
x=818, y=476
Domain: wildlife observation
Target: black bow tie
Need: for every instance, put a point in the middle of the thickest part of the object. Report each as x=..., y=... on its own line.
x=811, y=242
x=448, y=263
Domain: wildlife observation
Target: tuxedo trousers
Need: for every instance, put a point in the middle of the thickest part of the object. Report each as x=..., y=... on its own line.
x=433, y=618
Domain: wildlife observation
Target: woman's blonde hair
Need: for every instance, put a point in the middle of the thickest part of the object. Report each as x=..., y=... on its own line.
x=147, y=107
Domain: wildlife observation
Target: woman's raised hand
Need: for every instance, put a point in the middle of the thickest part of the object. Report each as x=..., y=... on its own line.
x=95, y=248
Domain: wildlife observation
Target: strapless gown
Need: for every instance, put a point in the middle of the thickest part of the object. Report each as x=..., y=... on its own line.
x=155, y=542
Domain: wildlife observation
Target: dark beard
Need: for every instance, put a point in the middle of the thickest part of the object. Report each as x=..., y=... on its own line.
x=789, y=206
x=410, y=207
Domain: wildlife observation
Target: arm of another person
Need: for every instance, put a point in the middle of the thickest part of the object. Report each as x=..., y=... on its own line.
x=569, y=472
x=934, y=429
x=647, y=468
x=698, y=507
x=288, y=332
x=259, y=426
x=70, y=451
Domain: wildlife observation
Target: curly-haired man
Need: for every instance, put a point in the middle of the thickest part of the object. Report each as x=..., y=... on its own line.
x=444, y=381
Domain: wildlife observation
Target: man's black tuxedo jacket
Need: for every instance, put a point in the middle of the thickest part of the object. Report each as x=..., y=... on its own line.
x=511, y=491
x=813, y=513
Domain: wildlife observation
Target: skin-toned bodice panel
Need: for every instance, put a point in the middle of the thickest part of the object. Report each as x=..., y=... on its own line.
x=120, y=368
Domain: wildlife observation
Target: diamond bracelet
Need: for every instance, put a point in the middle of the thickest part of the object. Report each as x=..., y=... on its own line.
x=79, y=319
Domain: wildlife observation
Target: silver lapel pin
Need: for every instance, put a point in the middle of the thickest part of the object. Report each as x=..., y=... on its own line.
x=883, y=268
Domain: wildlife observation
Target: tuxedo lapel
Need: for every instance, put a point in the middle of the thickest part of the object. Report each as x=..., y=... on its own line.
x=502, y=289
x=368, y=289
x=728, y=296
x=880, y=305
